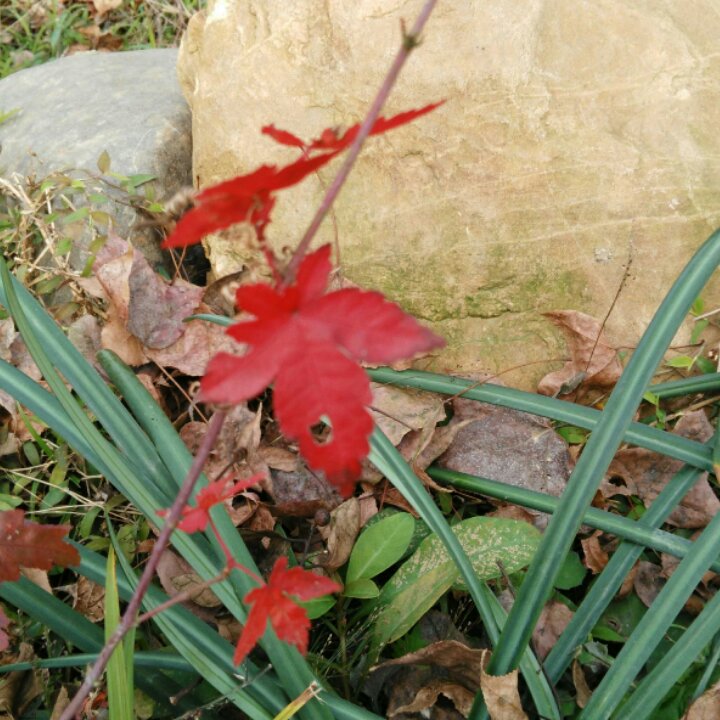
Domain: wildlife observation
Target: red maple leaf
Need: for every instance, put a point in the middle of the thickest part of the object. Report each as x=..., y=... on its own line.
x=4, y=639
x=273, y=602
x=249, y=198
x=27, y=544
x=309, y=343
x=196, y=519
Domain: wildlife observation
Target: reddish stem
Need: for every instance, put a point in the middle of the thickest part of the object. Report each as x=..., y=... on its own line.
x=410, y=41
x=171, y=520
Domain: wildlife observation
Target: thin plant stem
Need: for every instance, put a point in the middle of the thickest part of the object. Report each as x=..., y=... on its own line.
x=128, y=619
x=410, y=41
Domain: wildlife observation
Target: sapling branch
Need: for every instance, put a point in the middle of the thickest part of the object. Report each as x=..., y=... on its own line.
x=171, y=520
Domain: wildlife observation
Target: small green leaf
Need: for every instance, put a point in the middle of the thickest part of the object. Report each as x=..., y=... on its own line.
x=76, y=216
x=705, y=366
x=573, y=435
x=103, y=162
x=698, y=330
x=64, y=246
x=380, y=546
x=571, y=573
x=318, y=606
x=45, y=287
x=364, y=589
x=698, y=306
x=681, y=361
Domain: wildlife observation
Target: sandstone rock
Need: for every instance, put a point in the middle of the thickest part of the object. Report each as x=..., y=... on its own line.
x=575, y=138
x=71, y=110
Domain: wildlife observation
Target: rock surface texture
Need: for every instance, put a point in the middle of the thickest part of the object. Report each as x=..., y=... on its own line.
x=577, y=152
x=73, y=109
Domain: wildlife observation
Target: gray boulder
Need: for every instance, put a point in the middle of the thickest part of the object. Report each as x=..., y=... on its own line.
x=71, y=110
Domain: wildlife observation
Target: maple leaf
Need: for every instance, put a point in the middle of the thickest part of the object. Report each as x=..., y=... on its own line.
x=4, y=639
x=249, y=198
x=27, y=544
x=196, y=519
x=309, y=344
x=273, y=602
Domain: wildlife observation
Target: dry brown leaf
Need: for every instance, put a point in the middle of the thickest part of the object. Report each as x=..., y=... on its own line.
x=595, y=558
x=61, y=702
x=593, y=363
x=582, y=689
x=341, y=533
x=84, y=333
x=278, y=458
x=452, y=670
x=628, y=583
x=501, y=694
x=707, y=706
x=397, y=411
x=648, y=581
x=553, y=620
x=89, y=599
x=512, y=512
x=646, y=473
x=105, y=6
x=37, y=577
x=510, y=447
x=176, y=576
x=157, y=309
x=20, y=688
x=302, y=493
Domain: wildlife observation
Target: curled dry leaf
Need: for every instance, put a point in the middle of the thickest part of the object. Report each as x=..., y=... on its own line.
x=301, y=493
x=648, y=582
x=176, y=576
x=707, y=706
x=501, y=693
x=447, y=667
x=19, y=689
x=553, y=620
x=89, y=599
x=582, y=689
x=593, y=363
x=341, y=533
x=595, y=558
x=645, y=474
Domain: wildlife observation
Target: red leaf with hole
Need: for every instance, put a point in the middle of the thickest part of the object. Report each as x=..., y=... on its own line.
x=27, y=544
x=195, y=518
x=273, y=602
x=309, y=343
x=249, y=198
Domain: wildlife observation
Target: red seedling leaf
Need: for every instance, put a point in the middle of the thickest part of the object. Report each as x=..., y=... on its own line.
x=29, y=545
x=332, y=140
x=309, y=344
x=249, y=198
x=4, y=639
x=273, y=602
x=196, y=519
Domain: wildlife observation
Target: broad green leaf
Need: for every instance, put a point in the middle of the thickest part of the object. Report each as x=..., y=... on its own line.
x=490, y=543
x=379, y=547
x=363, y=588
x=572, y=572
x=317, y=607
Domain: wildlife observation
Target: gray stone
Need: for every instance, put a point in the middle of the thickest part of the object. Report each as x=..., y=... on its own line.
x=73, y=109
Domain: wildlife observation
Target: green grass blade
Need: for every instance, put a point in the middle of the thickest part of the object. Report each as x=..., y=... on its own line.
x=652, y=628
x=287, y=662
x=687, y=386
x=609, y=581
x=389, y=461
x=598, y=453
x=680, y=448
x=120, y=692
x=148, y=659
x=113, y=415
x=80, y=632
x=601, y=520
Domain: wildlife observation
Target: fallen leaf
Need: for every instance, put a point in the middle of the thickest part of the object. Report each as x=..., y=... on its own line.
x=105, y=6
x=37, y=577
x=341, y=533
x=707, y=706
x=85, y=334
x=30, y=545
x=301, y=493
x=553, y=620
x=648, y=581
x=157, y=309
x=582, y=690
x=645, y=474
x=4, y=639
x=501, y=693
x=593, y=363
x=20, y=688
x=89, y=599
x=176, y=575
x=594, y=557
x=61, y=702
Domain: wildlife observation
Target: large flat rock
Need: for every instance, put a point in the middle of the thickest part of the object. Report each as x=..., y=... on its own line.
x=577, y=139
x=72, y=109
